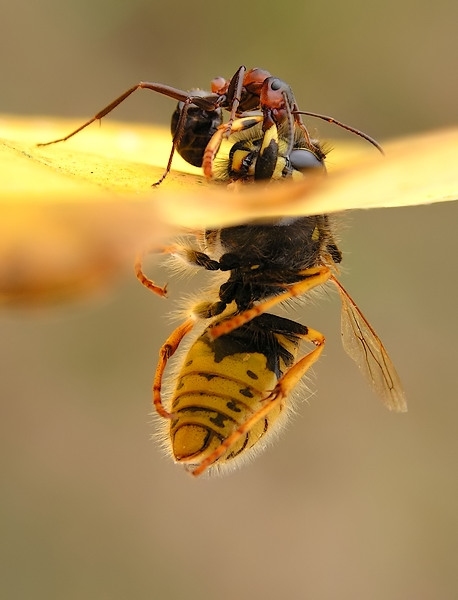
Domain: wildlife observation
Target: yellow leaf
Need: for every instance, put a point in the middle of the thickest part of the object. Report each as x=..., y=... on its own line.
x=415, y=170
x=70, y=221
x=75, y=214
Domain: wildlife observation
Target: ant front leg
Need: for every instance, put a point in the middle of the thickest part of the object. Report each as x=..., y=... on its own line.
x=230, y=93
x=300, y=123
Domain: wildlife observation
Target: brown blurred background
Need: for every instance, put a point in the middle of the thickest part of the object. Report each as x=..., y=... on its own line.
x=352, y=502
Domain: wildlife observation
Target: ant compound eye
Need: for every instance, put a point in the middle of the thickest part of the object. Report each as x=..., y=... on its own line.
x=303, y=160
x=276, y=84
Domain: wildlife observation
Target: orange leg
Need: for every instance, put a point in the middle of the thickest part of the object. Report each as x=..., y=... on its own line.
x=224, y=130
x=146, y=281
x=167, y=350
x=298, y=120
x=284, y=386
x=314, y=277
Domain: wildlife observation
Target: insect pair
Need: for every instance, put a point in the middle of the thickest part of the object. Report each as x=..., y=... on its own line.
x=232, y=391
x=254, y=99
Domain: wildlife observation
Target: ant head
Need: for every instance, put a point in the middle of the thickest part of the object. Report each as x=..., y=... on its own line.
x=275, y=93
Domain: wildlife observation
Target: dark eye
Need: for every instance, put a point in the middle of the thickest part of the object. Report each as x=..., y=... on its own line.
x=276, y=84
x=302, y=160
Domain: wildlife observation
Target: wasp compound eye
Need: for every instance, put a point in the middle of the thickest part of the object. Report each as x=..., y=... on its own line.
x=303, y=160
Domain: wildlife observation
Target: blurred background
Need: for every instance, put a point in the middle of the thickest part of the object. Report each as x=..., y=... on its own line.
x=352, y=501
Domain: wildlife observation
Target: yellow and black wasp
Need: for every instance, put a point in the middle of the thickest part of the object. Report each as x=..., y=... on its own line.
x=232, y=391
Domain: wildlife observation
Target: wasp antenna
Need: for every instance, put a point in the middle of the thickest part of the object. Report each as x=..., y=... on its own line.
x=366, y=137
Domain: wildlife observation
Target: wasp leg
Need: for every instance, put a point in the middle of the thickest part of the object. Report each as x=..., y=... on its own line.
x=275, y=398
x=192, y=256
x=167, y=350
x=312, y=278
x=188, y=254
x=214, y=144
x=146, y=281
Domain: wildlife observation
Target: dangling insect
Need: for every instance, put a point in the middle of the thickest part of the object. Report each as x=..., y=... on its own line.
x=233, y=387
x=232, y=391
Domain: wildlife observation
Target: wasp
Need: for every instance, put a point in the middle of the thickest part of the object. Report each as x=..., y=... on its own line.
x=233, y=387
x=197, y=123
x=233, y=390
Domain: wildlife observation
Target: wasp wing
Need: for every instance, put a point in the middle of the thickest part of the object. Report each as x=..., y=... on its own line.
x=364, y=346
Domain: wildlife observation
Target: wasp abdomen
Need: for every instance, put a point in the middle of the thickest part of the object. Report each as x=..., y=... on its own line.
x=219, y=388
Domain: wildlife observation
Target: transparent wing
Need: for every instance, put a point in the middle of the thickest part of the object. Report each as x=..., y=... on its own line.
x=364, y=346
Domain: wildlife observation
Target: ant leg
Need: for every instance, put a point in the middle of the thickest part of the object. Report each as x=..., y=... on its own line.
x=176, y=139
x=312, y=278
x=234, y=95
x=96, y=117
x=298, y=120
x=167, y=350
x=284, y=386
x=214, y=144
x=208, y=102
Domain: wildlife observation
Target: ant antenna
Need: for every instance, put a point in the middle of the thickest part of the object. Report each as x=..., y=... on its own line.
x=347, y=127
